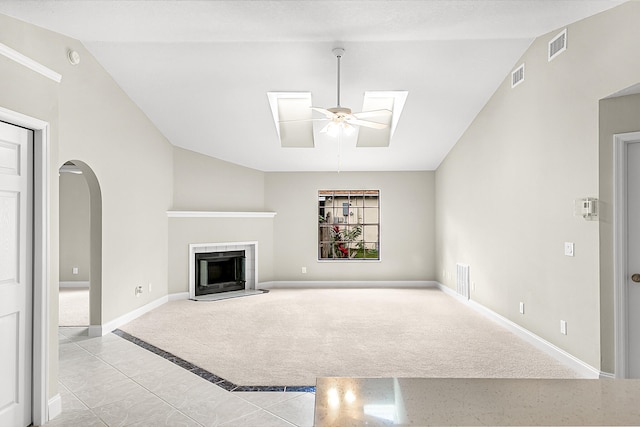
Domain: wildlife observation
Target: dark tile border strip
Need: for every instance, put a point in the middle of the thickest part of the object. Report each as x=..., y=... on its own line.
x=202, y=373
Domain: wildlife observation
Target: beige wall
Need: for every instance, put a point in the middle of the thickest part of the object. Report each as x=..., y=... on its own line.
x=74, y=228
x=617, y=115
x=505, y=193
x=92, y=120
x=132, y=161
x=406, y=225
x=203, y=183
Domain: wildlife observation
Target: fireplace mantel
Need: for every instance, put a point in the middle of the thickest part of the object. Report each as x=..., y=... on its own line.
x=251, y=255
x=216, y=214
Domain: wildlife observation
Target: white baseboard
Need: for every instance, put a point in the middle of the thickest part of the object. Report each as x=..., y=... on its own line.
x=359, y=284
x=178, y=296
x=54, y=407
x=581, y=368
x=74, y=284
x=100, y=330
x=607, y=375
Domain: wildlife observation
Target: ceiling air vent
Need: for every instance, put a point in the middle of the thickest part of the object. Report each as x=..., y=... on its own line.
x=558, y=44
x=517, y=76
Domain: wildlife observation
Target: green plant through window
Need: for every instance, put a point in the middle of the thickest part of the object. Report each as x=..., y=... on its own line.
x=348, y=224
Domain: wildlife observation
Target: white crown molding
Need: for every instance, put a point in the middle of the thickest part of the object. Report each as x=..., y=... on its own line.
x=213, y=214
x=580, y=367
x=29, y=63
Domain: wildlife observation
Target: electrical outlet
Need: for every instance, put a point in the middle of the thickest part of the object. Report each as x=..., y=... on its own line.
x=521, y=308
x=568, y=248
x=138, y=290
x=304, y=270
x=75, y=270
x=563, y=327
x=149, y=287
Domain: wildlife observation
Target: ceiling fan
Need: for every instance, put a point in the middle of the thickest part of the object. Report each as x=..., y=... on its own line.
x=341, y=118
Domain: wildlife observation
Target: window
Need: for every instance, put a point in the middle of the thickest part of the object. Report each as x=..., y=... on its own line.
x=348, y=225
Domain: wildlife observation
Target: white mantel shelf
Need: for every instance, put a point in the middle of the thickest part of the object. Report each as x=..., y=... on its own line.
x=211, y=214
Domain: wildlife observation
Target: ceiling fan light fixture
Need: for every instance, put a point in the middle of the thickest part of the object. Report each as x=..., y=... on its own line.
x=333, y=130
x=348, y=129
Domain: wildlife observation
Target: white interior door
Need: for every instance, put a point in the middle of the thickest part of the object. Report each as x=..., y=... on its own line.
x=16, y=205
x=633, y=290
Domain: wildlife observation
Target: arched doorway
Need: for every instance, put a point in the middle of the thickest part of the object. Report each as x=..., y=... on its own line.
x=81, y=242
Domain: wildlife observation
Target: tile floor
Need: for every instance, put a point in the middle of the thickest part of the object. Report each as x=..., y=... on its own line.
x=109, y=381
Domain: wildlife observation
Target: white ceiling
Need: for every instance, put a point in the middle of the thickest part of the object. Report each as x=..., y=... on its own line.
x=200, y=70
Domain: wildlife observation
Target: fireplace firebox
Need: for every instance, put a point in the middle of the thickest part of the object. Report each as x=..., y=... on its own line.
x=219, y=272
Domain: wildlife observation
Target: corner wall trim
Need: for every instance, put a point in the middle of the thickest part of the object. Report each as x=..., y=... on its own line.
x=101, y=330
x=29, y=63
x=347, y=284
x=54, y=407
x=580, y=367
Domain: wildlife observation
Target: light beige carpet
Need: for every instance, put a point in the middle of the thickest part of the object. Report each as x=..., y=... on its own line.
x=74, y=307
x=290, y=337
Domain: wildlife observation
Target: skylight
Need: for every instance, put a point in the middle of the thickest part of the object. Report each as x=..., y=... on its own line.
x=294, y=109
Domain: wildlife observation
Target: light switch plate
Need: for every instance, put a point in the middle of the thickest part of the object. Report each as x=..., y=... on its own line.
x=563, y=327
x=568, y=248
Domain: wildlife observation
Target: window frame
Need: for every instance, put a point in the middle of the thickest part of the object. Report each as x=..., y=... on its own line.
x=357, y=217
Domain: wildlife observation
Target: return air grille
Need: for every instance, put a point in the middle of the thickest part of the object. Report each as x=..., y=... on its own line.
x=517, y=76
x=462, y=280
x=558, y=44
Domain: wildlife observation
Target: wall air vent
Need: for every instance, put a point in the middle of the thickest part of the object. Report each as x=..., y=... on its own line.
x=517, y=76
x=558, y=44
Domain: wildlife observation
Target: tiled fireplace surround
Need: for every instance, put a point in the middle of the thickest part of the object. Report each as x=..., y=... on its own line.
x=251, y=254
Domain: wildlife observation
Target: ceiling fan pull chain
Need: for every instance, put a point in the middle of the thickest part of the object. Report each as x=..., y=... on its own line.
x=339, y=150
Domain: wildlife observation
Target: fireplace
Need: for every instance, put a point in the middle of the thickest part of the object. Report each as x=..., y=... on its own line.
x=221, y=271
x=205, y=250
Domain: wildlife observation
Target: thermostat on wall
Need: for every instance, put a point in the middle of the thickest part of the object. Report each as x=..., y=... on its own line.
x=587, y=208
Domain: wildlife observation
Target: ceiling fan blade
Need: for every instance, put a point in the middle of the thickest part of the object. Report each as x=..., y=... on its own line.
x=324, y=111
x=374, y=113
x=366, y=123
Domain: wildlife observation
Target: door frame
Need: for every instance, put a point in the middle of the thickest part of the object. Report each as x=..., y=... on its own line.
x=41, y=260
x=621, y=142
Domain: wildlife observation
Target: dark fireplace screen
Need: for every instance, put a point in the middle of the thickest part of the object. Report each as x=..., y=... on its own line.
x=220, y=272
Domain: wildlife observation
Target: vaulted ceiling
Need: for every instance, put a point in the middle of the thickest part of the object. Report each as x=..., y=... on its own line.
x=201, y=70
